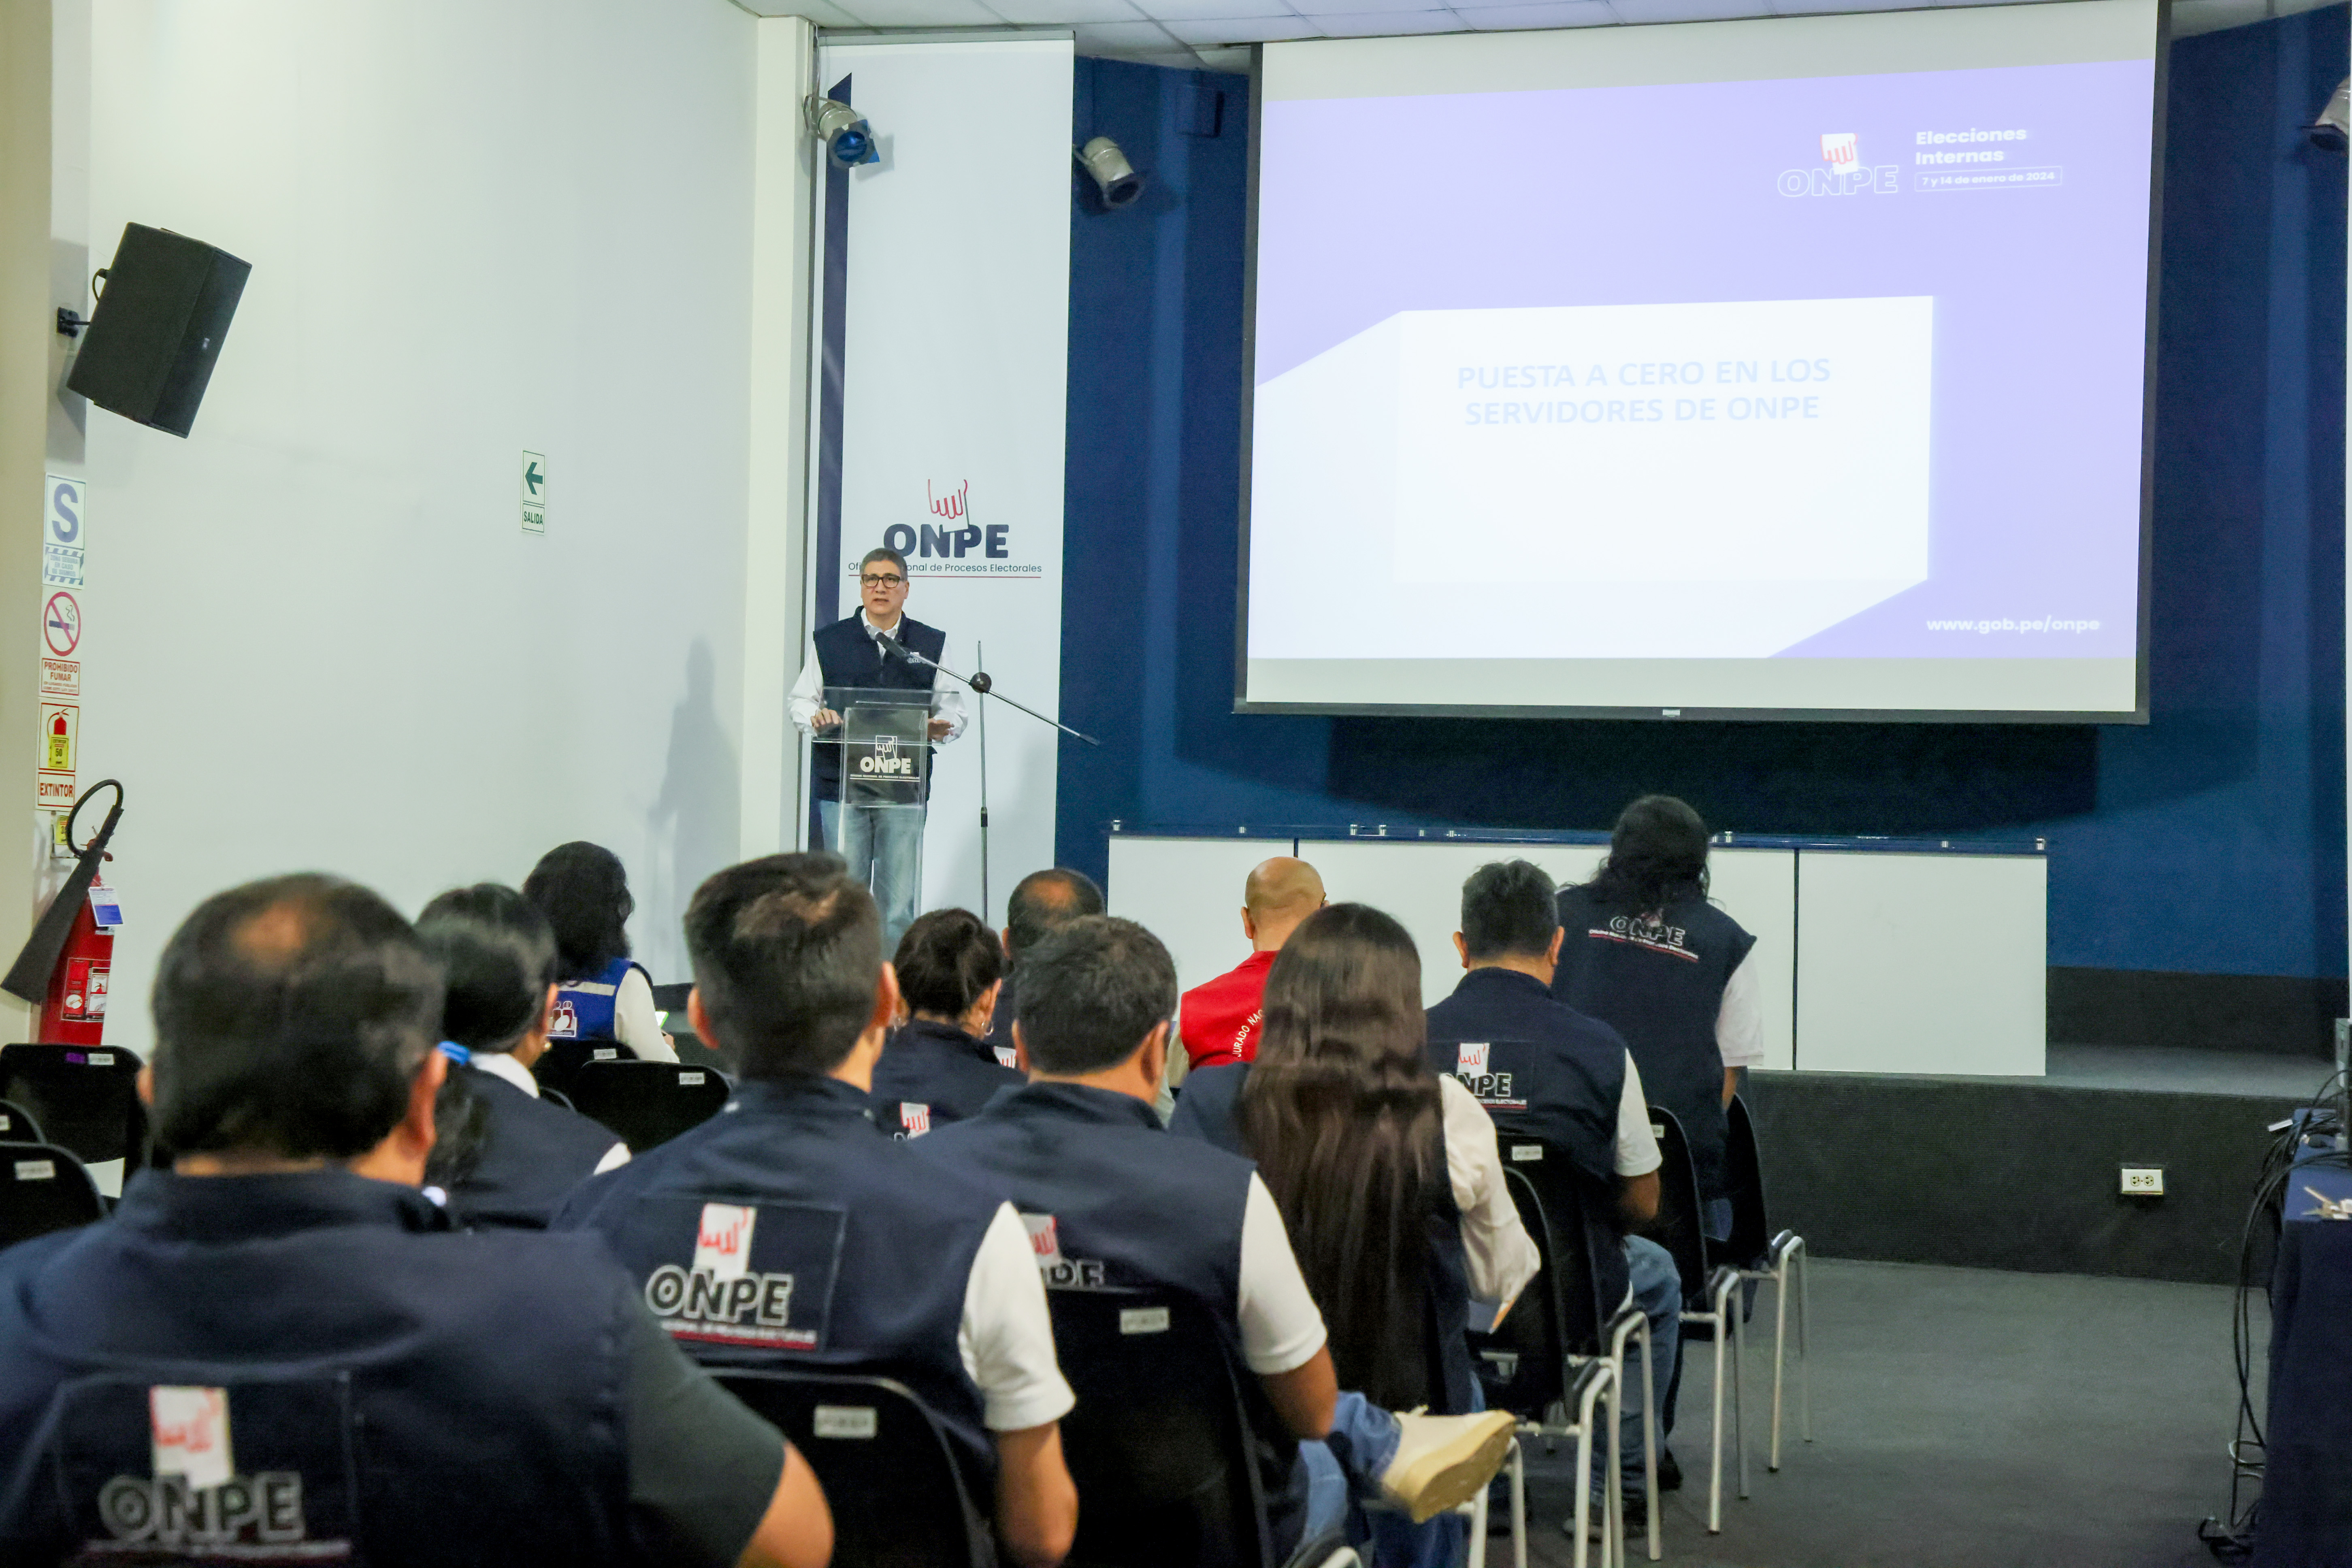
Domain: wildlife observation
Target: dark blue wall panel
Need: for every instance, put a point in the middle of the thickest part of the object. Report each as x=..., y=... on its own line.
x=2210, y=840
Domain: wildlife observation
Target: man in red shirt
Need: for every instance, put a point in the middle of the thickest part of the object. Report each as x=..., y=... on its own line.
x=1219, y=1018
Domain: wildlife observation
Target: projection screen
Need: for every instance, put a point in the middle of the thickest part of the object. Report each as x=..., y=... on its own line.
x=1790, y=368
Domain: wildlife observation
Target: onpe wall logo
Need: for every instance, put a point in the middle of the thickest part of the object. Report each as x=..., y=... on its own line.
x=1842, y=172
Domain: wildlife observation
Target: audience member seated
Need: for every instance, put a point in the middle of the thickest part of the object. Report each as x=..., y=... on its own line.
x=509, y=1397
x=1351, y=1130
x=1220, y=1018
x=1648, y=955
x=937, y=1068
x=1113, y=1202
x=1042, y=901
x=602, y=993
x=887, y=1265
x=502, y=1156
x=1544, y=1070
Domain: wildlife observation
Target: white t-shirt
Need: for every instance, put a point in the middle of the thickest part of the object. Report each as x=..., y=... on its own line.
x=1501, y=1255
x=1281, y=1329
x=1739, y=1021
x=1006, y=1337
x=1637, y=1146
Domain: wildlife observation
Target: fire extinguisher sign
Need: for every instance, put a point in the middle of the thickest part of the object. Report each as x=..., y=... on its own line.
x=60, y=738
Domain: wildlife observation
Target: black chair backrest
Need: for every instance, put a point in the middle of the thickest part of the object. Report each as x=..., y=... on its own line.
x=898, y=1497
x=1561, y=1314
x=1159, y=1444
x=646, y=1102
x=85, y=1098
x=1676, y=1225
x=563, y=1059
x=1751, y=1224
x=43, y=1188
x=18, y=1125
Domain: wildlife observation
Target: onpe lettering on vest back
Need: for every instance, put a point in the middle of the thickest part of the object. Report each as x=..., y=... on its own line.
x=266, y=1508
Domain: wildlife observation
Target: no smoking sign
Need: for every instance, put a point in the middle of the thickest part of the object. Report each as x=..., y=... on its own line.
x=61, y=625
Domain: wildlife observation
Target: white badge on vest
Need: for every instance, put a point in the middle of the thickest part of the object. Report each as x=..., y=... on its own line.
x=563, y=1024
x=723, y=1245
x=1472, y=1056
x=914, y=1120
x=189, y=1427
x=1006, y=1057
x=1044, y=1239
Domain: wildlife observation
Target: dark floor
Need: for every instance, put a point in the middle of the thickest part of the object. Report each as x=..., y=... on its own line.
x=1962, y=1419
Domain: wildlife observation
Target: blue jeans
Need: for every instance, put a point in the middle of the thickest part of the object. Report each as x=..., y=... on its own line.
x=1658, y=1291
x=884, y=846
x=1345, y=1469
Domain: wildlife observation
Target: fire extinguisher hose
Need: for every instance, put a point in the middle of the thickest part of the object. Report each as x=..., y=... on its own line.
x=28, y=978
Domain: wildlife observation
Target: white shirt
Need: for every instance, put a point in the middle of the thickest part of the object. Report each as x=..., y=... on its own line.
x=635, y=1023
x=1006, y=1337
x=1740, y=1022
x=506, y=1069
x=1501, y=1255
x=1637, y=1146
x=947, y=696
x=1281, y=1329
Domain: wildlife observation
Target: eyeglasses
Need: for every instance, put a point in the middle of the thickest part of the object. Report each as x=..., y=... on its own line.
x=883, y=580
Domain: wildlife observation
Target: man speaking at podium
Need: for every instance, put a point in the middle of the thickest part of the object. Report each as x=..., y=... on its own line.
x=882, y=844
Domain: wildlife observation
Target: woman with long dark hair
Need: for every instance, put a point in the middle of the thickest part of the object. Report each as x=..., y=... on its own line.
x=504, y=1157
x=1387, y=1175
x=1647, y=952
x=605, y=994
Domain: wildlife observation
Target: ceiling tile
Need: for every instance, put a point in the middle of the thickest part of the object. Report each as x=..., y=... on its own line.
x=1560, y=13
x=1117, y=39
x=1357, y=7
x=1211, y=10
x=924, y=14
x=821, y=12
x=1236, y=61
x=1246, y=30
x=1061, y=13
x=1682, y=10
x=1384, y=24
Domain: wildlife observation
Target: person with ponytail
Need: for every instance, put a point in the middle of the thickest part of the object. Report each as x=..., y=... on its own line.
x=1647, y=953
x=504, y=1157
x=1387, y=1176
x=938, y=1066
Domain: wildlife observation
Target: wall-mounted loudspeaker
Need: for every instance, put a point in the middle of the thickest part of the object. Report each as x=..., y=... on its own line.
x=158, y=327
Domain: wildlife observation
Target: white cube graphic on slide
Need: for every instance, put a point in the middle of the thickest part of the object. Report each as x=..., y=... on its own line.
x=1693, y=480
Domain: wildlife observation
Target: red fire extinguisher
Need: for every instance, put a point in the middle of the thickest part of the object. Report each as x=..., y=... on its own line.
x=71, y=953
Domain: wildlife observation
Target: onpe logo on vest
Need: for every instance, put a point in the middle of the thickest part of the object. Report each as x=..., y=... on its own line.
x=1006, y=1057
x=914, y=1120
x=563, y=1024
x=1471, y=1065
x=1061, y=1273
x=195, y=1502
x=720, y=1297
x=887, y=758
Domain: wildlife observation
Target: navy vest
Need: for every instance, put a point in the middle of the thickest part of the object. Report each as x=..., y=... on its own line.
x=1543, y=1070
x=845, y=656
x=427, y=1397
x=1659, y=984
x=932, y=1074
x=787, y=1230
x=1205, y=1109
x=584, y=1007
x=533, y=1154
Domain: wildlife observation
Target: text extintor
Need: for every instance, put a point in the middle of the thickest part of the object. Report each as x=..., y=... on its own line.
x=535, y=492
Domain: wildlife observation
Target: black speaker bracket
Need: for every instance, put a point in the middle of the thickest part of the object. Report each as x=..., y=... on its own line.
x=70, y=322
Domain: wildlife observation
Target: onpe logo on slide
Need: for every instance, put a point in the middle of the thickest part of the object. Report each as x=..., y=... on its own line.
x=1842, y=172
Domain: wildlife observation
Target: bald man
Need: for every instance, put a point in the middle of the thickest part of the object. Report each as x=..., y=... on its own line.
x=1219, y=1020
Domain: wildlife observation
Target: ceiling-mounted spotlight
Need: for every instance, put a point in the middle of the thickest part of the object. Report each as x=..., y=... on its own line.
x=1112, y=173
x=2333, y=129
x=848, y=139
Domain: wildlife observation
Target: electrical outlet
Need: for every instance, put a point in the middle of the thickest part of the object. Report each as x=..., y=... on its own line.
x=2143, y=1181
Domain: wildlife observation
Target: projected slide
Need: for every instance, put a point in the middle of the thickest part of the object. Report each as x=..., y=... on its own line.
x=1751, y=369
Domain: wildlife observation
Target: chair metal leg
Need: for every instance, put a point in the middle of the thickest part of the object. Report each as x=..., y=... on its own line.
x=1715, y=1437
x=1584, y=1472
x=1731, y=1308
x=1615, y=1533
x=1634, y=1323
x=1477, y=1508
x=1518, y=1507
x=1801, y=1260
x=1779, y=1348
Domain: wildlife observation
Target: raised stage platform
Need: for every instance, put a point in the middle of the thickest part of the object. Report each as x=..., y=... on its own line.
x=2023, y=1174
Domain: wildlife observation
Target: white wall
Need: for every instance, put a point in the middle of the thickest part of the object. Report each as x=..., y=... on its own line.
x=320, y=638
